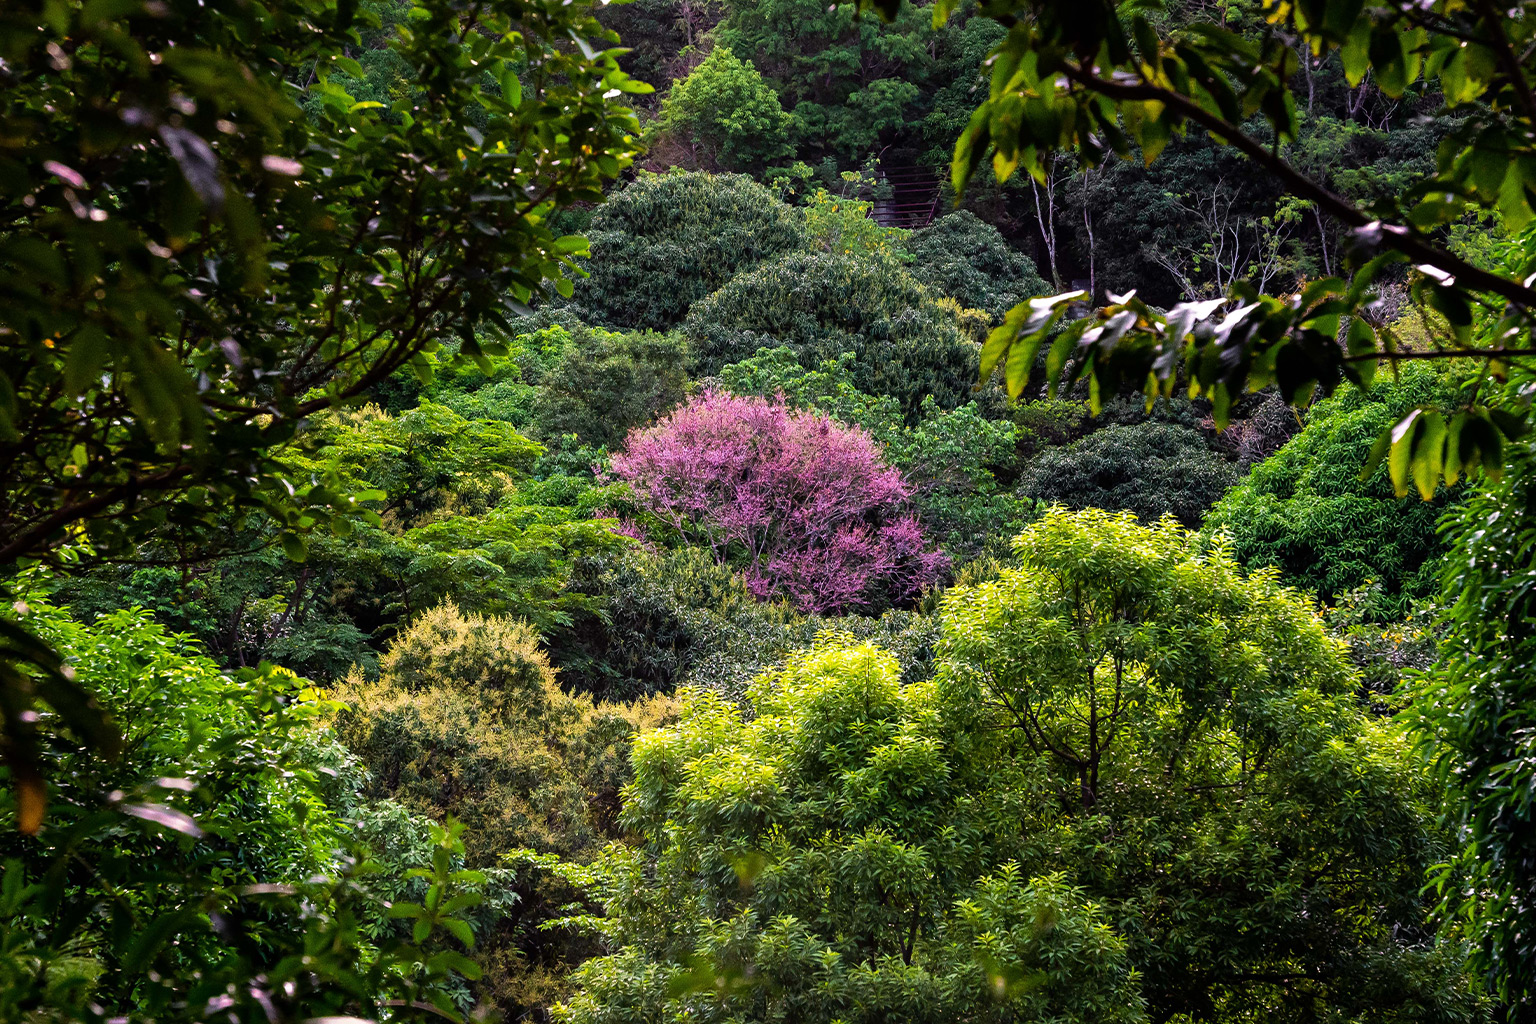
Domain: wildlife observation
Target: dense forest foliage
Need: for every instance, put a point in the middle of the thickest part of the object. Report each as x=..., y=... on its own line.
x=753, y=510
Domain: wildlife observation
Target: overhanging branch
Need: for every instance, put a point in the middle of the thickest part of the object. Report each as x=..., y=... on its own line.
x=1403, y=239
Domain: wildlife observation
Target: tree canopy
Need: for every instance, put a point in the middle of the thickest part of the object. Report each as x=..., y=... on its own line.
x=904, y=343
x=663, y=242
x=192, y=264
x=1118, y=729
x=771, y=607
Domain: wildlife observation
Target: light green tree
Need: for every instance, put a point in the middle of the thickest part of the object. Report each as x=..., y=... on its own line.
x=825, y=859
x=729, y=117
x=1197, y=760
x=1154, y=757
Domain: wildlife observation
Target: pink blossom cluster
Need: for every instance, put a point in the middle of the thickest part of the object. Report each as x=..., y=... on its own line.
x=805, y=504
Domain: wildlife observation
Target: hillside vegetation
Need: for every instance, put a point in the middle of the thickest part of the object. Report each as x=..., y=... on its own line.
x=757, y=511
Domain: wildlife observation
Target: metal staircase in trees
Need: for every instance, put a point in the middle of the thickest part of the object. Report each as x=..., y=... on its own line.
x=913, y=199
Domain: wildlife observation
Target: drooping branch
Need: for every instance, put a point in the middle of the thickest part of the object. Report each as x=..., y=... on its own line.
x=1405, y=240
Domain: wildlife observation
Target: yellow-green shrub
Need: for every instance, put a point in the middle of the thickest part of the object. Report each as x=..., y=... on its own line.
x=466, y=718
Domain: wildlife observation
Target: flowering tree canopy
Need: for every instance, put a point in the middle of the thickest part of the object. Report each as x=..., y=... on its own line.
x=807, y=503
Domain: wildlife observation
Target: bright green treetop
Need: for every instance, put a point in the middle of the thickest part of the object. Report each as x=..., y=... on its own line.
x=826, y=860
x=727, y=114
x=1155, y=758
x=1197, y=761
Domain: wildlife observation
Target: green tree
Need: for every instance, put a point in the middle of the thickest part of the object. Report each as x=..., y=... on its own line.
x=726, y=115
x=465, y=720
x=1475, y=715
x=212, y=864
x=1172, y=750
x=967, y=259
x=1151, y=468
x=820, y=305
x=850, y=86
x=1189, y=749
x=605, y=384
x=192, y=266
x=663, y=242
x=825, y=859
x=1306, y=511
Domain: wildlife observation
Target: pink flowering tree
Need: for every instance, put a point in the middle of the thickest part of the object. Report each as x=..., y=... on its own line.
x=804, y=504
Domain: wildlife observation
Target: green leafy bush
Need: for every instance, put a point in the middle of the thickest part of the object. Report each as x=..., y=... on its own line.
x=962, y=256
x=466, y=719
x=821, y=305
x=1151, y=468
x=502, y=388
x=212, y=863
x=425, y=461
x=665, y=241
x=842, y=223
x=1187, y=744
x=1306, y=511
x=727, y=116
x=604, y=384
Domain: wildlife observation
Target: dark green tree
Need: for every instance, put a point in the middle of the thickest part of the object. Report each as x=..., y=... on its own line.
x=853, y=88
x=604, y=384
x=1151, y=468
x=820, y=305
x=967, y=259
x=663, y=242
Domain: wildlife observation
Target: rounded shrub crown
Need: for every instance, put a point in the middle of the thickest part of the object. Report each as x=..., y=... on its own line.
x=967, y=259
x=820, y=305
x=665, y=241
x=1151, y=468
x=494, y=657
x=466, y=719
